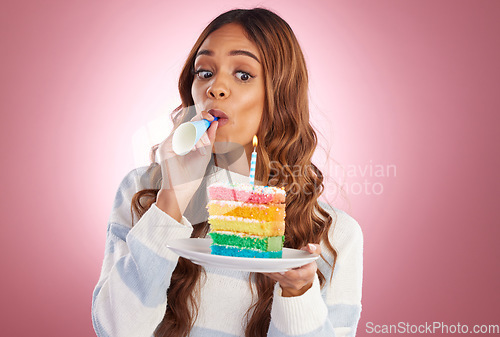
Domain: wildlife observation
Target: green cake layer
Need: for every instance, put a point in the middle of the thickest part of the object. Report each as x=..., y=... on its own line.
x=266, y=244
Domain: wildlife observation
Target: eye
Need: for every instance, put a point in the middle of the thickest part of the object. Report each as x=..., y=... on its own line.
x=243, y=75
x=203, y=74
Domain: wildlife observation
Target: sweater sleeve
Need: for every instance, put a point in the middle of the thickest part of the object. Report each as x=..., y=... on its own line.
x=334, y=309
x=130, y=296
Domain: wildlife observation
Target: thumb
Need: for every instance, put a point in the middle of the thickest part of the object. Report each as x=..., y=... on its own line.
x=312, y=248
x=212, y=131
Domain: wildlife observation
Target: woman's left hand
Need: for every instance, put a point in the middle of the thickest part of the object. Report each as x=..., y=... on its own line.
x=297, y=281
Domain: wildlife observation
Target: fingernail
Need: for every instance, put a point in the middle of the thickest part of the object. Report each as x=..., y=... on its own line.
x=312, y=247
x=282, y=272
x=205, y=140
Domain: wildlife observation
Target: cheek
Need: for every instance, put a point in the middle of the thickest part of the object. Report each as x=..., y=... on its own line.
x=257, y=108
x=252, y=117
x=196, y=92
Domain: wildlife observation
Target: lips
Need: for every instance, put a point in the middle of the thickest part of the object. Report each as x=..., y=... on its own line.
x=223, y=119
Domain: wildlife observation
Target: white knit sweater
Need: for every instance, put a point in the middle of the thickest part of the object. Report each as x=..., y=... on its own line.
x=130, y=296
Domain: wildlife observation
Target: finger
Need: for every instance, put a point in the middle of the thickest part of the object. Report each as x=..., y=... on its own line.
x=305, y=272
x=204, y=139
x=199, y=144
x=207, y=116
x=292, y=278
x=196, y=118
x=318, y=249
x=273, y=276
x=203, y=151
x=212, y=131
x=278, y=277
x=312, y=248
x=200, y=147
x=296, y=274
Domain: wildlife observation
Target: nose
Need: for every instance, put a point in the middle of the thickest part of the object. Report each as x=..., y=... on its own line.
x=218, y=90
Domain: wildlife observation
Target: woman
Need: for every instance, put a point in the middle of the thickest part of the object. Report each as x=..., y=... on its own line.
x=246, y=68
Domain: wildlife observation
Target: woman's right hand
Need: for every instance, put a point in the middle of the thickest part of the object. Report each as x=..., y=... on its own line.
x=182, y=175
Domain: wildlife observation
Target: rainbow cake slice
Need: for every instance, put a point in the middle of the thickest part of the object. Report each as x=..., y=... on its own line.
x=246, y=221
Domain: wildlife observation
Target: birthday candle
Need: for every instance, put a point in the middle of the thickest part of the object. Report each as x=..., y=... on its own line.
x=253, y=161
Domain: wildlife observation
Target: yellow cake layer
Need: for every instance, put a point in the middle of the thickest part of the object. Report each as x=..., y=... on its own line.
x=241, y=225
x=268, y=212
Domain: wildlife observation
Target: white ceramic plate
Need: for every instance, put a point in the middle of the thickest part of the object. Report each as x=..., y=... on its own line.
x=198, y=251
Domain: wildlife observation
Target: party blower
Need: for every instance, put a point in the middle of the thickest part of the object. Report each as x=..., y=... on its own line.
x=188, y=134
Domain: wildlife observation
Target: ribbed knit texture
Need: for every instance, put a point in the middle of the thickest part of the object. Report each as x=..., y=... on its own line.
x=130, y=296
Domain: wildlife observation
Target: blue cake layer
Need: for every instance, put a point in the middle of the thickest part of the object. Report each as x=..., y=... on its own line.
x=238, y=252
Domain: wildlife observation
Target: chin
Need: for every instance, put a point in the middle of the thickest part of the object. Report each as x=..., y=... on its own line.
x=223, y=146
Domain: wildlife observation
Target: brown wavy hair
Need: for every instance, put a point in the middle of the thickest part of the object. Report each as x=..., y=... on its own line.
x=287, y=142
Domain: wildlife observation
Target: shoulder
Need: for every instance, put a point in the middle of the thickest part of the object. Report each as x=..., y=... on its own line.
x=134, y=181
x=137, y=179
x=345, y=232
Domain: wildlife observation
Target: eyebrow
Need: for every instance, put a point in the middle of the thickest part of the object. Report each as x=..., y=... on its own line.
x=231, y=53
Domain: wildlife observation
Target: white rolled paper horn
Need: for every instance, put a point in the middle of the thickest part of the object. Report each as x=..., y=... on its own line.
x=188, y=134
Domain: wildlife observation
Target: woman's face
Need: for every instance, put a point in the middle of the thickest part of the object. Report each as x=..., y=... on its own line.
x=229, y=77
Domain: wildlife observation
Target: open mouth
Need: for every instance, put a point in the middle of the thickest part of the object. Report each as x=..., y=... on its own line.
x=223, y=119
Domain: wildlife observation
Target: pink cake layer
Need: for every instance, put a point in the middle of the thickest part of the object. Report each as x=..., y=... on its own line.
x=247, y=193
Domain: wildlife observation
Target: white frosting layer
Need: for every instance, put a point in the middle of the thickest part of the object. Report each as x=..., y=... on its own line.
x=235, y=204
x=242, y=235
x=251, y=189
x=234, y=218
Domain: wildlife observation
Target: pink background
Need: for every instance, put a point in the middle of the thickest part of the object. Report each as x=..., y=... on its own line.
x=405, y=84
